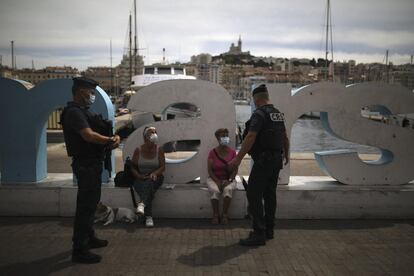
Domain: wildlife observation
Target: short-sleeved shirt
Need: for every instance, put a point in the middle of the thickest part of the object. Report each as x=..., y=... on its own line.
x=219, y=168
x=258, y=123
x=74, y=120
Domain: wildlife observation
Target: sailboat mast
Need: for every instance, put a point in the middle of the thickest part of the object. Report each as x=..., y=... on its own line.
x=12, y=55
x=130, y=50
x=332, y=52
x=112, y=75
x=386, y=66
x=135, y=39
x=327, y=39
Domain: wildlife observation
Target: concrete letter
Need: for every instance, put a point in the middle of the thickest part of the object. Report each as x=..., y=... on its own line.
x=23, y=118
x=341, y=115
x=217, y=111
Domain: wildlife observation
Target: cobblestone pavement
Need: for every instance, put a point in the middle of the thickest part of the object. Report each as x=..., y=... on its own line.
x=41, y=246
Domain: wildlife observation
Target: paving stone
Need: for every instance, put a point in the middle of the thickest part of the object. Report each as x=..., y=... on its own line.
x=41, y=246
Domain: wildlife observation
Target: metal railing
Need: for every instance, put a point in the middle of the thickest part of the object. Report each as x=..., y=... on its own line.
x=54, y=120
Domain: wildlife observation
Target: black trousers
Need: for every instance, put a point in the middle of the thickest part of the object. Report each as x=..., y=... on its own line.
x=262, y=188
x=88, y=173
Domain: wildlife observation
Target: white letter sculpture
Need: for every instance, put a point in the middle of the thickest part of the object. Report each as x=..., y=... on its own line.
x=341, y=115
x=217, y=111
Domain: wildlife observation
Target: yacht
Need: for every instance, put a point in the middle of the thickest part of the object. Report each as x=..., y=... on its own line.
x=156, y=73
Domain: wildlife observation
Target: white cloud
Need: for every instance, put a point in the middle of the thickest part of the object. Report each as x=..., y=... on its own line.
x=378, y=38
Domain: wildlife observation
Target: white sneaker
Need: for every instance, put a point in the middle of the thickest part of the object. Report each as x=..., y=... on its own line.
x=140, y=208
x=149, y=222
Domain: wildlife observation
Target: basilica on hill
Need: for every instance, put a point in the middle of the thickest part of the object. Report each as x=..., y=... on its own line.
x=237, y=50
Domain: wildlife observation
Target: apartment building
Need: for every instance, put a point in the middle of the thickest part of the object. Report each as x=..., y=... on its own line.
x=50, y=72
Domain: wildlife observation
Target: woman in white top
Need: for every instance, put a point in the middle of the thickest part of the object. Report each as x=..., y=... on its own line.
x=149, y=164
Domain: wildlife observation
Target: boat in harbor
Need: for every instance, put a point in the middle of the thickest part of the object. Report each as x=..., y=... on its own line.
x=241, y=102
x=153, y=74
x=156, y=73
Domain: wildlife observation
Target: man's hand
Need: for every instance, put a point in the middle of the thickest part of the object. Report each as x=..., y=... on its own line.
x=245, y=147
x=116, y=141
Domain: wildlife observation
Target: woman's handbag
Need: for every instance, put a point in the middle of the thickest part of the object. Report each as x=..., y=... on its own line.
x=126, y=179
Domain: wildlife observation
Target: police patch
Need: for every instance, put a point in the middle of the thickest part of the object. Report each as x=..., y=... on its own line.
x=277, y=117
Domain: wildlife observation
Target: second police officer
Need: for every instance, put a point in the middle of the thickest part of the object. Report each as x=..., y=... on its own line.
x=266, y=141
x=88, y=139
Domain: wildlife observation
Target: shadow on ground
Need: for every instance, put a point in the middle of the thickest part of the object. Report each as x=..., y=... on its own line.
x=40, y=267
x=9, y=221
x=213, y=255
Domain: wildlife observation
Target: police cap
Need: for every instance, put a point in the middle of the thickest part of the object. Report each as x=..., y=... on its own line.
x=82, y=82
x=260, y=89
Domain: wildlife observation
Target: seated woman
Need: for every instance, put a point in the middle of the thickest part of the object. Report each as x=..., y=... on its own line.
x=221, y=179
x=149, y=164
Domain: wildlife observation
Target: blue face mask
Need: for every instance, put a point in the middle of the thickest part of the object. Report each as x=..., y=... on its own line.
x=224, y=141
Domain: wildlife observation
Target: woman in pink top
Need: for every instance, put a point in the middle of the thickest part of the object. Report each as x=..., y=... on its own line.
x=221, y=179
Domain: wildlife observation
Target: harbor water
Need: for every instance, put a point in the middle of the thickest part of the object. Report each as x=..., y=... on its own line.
x=308, y=135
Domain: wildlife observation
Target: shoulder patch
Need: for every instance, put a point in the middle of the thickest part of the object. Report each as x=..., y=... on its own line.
x=277, y=117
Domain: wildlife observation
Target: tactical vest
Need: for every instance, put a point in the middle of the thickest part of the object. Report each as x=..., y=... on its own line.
x=270, y=137
x=81, y=148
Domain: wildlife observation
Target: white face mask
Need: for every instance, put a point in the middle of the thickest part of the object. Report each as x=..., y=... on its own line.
x=153, y=138
x=224, y=141
x=92, y=98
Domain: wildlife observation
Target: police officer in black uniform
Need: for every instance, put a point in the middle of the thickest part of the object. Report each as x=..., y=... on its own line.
x=266, y=141
x=86, y=142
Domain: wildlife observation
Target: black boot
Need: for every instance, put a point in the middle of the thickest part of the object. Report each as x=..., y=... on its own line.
x=269, y=233
x=94, y=242
x=84, y=256
x=254, y=239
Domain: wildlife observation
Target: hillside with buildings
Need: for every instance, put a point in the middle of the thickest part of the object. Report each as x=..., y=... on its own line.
x=236, y=70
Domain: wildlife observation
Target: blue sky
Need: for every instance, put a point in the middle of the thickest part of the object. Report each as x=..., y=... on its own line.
x=77, y=32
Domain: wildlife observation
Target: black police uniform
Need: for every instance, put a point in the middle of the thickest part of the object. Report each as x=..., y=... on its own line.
x=267, y=154
x=87, y=166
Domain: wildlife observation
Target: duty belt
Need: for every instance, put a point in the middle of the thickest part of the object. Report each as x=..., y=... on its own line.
x=267, y=154
x=87, y=157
